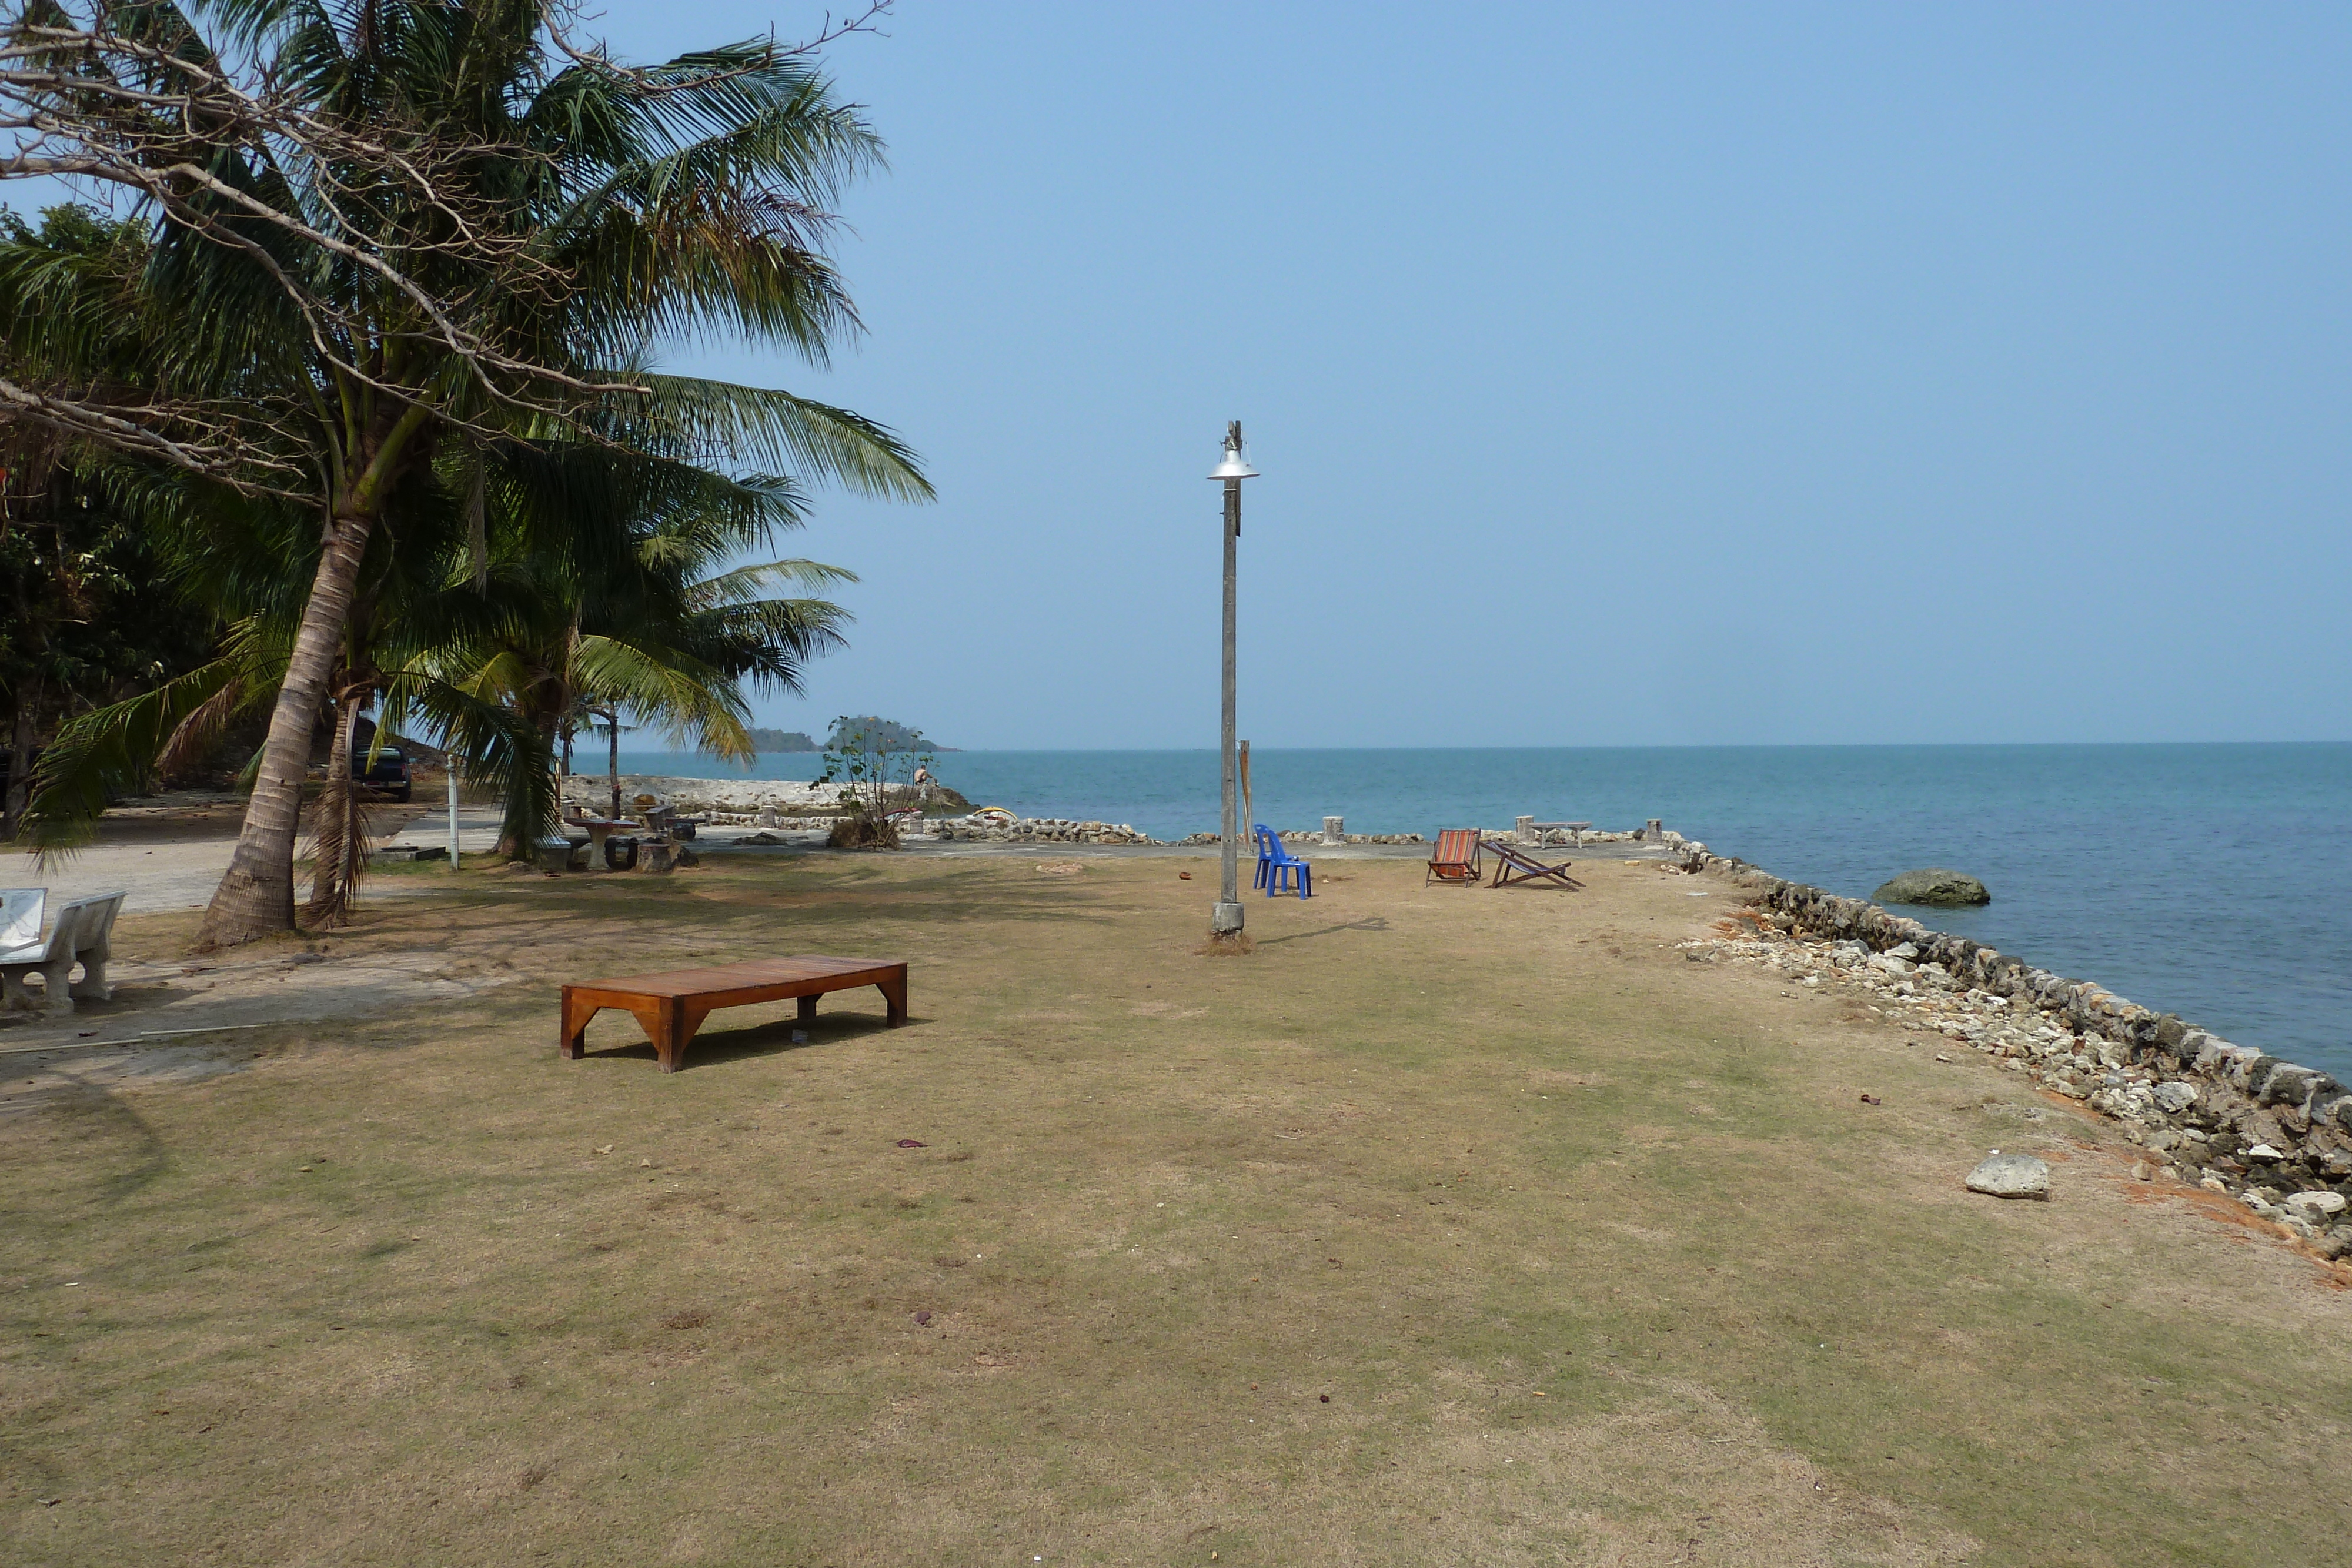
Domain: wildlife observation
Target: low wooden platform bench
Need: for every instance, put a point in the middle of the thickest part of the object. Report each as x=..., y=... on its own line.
x=673, y=1004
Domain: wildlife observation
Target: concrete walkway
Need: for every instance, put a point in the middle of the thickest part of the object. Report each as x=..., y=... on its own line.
x=181, y=874
x=157, y=876
x=478, y=830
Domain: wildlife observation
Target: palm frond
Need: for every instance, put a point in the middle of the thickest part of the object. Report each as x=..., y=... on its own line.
x=492, y=745
x=746, y=583
x=112, y=751
x=687, y=700
x=778, y=430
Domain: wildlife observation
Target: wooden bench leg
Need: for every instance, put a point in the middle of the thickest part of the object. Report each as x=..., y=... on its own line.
x=808, y=1010
x=652, y=1017
x=664, y=1020
x=576, y=1014
x=894, y=996
x=686, y=1021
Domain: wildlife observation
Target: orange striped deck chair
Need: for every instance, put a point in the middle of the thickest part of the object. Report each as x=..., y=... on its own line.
x=1455, y=859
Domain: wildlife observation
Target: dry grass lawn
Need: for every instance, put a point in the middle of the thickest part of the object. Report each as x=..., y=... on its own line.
x=1447, y=1226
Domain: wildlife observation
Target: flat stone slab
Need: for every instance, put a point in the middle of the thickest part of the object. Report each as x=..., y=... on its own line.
x=2010, y=1176
x=2316, y=1208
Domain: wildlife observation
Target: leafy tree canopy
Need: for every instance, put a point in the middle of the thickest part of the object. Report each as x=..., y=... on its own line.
x=865, y=732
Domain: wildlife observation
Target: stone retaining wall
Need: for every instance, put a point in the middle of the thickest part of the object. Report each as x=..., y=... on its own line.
x=2276, y=1136
x=1037, y=829
x=1556, y=838
x=693, y=797
x=1315, y=837
x=968, y=830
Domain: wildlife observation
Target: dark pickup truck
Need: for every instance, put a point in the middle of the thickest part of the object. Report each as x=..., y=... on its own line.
x=386, y=769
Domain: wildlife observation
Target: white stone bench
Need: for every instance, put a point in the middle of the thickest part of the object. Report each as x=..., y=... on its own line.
x=80, y=935
x=20, y=916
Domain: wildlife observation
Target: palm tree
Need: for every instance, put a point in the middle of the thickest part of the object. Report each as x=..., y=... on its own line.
x=582, y=577
x=579, y=211
x=228, y=553
x=616, y=603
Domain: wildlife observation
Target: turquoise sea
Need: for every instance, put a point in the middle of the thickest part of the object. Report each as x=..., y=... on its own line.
x=2192, y=879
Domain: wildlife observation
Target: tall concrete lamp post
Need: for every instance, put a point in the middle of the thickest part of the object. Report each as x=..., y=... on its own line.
x=1227, y=919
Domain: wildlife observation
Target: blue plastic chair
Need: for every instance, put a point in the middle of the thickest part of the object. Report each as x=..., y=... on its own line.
x=1269, y=849
x=1279, y=870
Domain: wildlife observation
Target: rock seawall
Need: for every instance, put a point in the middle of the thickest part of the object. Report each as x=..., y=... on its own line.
x=737, y=799
x=2231, y=1118
x=737, y=796
x=980, y=828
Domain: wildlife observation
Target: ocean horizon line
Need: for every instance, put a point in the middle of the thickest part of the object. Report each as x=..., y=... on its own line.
x=1658, y=746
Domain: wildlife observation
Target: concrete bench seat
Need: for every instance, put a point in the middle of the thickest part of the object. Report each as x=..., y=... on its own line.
x=80, y=936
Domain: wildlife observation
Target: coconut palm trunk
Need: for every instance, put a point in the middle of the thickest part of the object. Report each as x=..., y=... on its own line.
x=339, y=826
x=256, y=897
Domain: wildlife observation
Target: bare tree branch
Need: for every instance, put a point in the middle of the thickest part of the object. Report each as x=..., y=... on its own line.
x=596, y=57
x=135, y=430
x=406, y=278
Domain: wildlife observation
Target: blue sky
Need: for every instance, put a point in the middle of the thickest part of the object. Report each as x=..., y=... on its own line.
x=1652, y=375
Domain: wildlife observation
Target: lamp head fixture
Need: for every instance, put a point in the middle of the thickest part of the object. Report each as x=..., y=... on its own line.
x=1235, y=466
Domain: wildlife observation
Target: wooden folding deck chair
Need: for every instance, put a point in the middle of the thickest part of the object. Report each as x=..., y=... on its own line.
x=1455, y=858
x=1513, y=868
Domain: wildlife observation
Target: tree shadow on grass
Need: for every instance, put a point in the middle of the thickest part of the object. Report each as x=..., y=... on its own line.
x=100, y=1117
x=942, y=897
x=719, y=905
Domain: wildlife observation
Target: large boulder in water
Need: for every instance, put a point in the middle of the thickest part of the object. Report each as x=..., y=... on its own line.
x=1936, y=886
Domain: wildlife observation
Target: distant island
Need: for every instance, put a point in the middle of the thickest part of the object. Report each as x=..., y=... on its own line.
x=794, y=740
x=867, y=731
